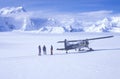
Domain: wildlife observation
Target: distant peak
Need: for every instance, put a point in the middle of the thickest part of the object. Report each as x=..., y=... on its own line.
x=11, y=10
x=21, y=8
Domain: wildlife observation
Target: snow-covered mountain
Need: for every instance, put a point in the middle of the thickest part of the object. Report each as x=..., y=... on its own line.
x=17, y=18
x=11, y=10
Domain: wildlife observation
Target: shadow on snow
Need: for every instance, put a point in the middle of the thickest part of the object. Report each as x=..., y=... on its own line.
x=87, y=51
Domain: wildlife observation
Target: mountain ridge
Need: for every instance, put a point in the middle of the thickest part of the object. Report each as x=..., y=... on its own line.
x=22, y=21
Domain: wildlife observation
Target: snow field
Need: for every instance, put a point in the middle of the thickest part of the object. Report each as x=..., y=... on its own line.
x=19, y=57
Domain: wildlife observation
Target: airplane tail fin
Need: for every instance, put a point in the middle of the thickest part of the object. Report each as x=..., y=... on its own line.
x=66, y=43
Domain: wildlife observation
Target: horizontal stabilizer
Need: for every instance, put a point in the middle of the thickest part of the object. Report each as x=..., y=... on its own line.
x=60, y=48
x=60, y=42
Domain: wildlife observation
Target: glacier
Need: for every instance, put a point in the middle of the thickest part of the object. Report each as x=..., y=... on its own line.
x=18, y=19
x=19, y=57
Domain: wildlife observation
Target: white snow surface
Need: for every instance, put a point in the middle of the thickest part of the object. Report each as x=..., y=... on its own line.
x=17, y=18
x=19, y=57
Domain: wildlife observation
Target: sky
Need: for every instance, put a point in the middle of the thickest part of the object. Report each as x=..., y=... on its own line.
x=64, y=5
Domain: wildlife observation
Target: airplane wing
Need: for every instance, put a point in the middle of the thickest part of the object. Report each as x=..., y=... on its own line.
x=100, y=38
x=88, y=39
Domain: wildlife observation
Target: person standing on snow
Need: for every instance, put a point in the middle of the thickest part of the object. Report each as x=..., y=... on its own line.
x=44, y=50
x=51, y=50
x=39, y=48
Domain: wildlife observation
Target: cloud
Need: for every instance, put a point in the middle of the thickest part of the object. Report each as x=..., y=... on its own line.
x=87, y=16
x=93, y=15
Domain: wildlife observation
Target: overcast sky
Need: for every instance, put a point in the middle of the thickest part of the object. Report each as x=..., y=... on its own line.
x=64, y=5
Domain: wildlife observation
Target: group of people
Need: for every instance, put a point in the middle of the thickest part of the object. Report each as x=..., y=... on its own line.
x=45, y=50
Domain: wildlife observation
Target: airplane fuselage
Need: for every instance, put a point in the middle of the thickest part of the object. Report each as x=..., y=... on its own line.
x=80, y=44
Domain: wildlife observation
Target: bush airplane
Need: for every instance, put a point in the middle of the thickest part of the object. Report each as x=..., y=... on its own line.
x=78, y=44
